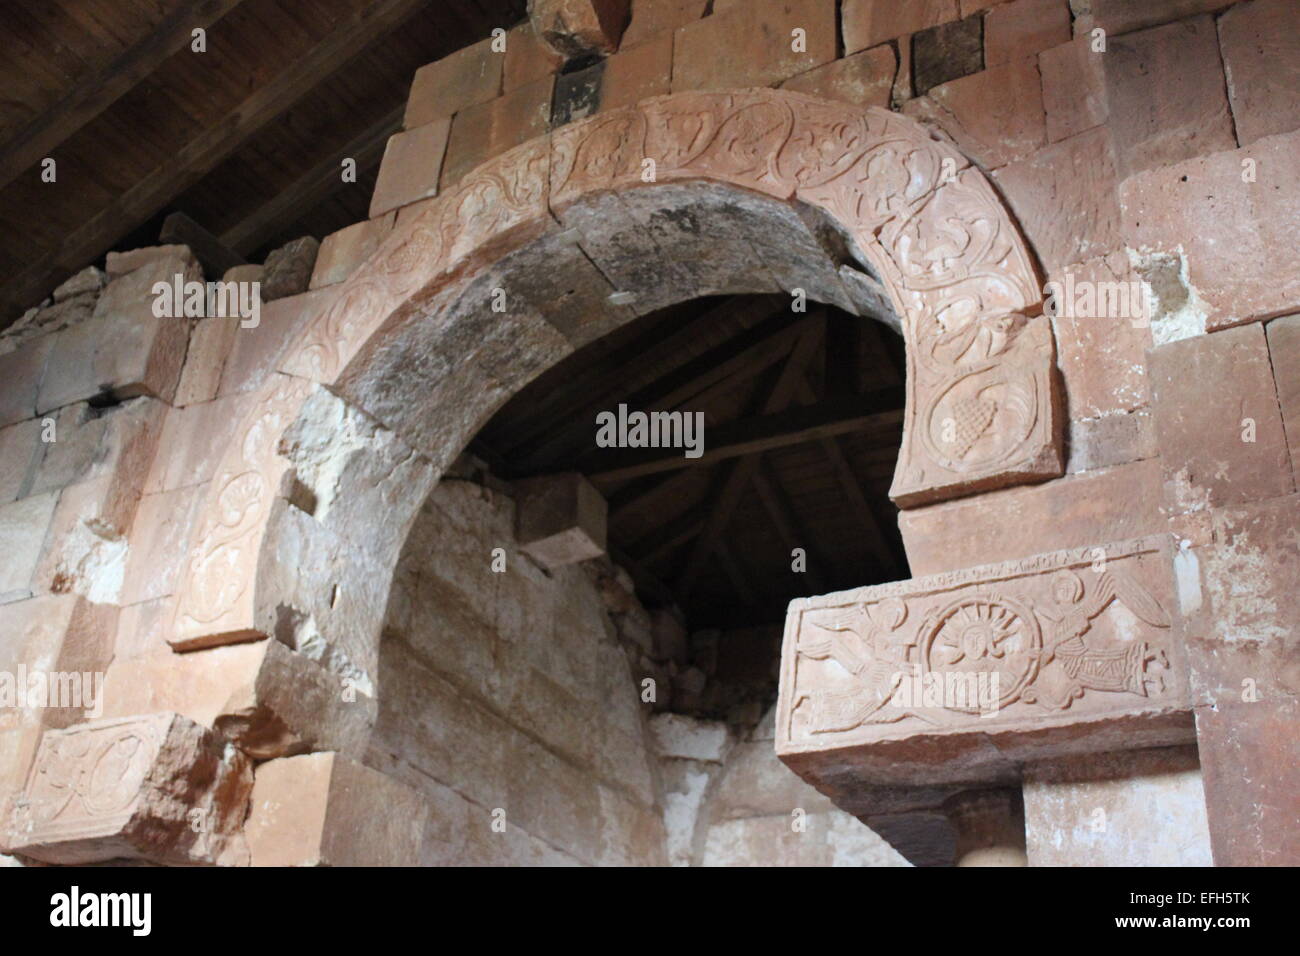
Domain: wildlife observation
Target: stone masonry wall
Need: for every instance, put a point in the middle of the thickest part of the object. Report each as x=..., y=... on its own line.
x=1163, y=149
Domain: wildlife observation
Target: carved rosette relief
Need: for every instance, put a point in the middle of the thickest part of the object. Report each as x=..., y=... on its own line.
x=1070, y=637
x=981, y=409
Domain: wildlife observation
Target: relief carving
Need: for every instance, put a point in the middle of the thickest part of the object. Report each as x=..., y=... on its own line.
x=981, y=408
x=1061, y=638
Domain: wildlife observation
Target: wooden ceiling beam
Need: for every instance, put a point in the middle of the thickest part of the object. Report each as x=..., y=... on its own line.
x=217, y=142
x=314, y=186
x=736, y=477
x=101, y=88
x=786, y=522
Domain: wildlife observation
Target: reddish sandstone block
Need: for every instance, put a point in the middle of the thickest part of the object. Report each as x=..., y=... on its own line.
x=159, y=536
x=1065, y=199
x=1166, y=94
x=975, y=6
x=342, y=252
x=1227, y=450
x=489, y=129
x=1074, y=92
x=323, y=809
x=995, y=116
x=1284, y=355
x=864, y=79
x=1023, y=28
x=636, y=73
x=1073, y=512
x=1238, y=239
x=210, y=344
x=1115, y=439
x=157, y=787
x=1261, y=59
x=1122, y=16
x=465, y=78
x=867, y=23
x=1101, y=351
x=256, y=351
x=652, y=17
x=577, y=28
x=412, y=165
x=527, y=58
x=753, y=45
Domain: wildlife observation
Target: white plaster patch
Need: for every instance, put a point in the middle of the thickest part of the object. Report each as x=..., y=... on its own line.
x=1179, y=312
x=94, y=562
x=1187, y=575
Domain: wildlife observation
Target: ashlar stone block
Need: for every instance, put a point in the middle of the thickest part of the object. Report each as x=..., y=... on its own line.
x=960, y=677
x=157, y=787
x=560, y=519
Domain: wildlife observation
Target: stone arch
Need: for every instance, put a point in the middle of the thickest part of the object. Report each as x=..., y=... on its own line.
x=327, y=470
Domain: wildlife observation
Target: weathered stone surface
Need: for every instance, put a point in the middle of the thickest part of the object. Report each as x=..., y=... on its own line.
x=288, y=269
x=1074, y=90
x=560, y=519
x=123, y=350
x=1115, y=439
x=882, y=684
x=490, y=129
x=1229, y=451
x=411, y=168
x=23, y=525
x=90, y=279
x=994, y=116
x=342, y=252
x=864, y=79
x=156, y=787
x=1261, y=59
x=468, y=77
x=867, y=23
x=688, y=738
x=254, y=352
x=947, y=52
x=1225, y=229
x=752, y=45
x=1122, y=16
x=210, y=345
x=192, y=439
x=575, y=28
x=65, y=641
x=323, y=809
x=1024, y=27
x=636, y=73
x=158, y=537
x=1137, y=808
x=21, y=371
x=21, y=450
x=652, y=17
x=1166, y=95
x=1064, y=197
x=1109, y=505
x=528, y=58
x=1102, y=334
x=1284, y=356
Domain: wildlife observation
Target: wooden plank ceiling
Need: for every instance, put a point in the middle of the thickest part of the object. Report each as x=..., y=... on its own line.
x=803, y=422
x=246, y=138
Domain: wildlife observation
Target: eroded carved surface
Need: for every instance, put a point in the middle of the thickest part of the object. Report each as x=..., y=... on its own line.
x=981, y=665
x=158, y=787
x=980, y=402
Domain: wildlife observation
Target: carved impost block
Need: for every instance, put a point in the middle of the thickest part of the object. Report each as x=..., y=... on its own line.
x=961, y=677
x=158, y=787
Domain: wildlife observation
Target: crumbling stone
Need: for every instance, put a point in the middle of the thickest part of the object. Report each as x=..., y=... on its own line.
x=560, y=519
x=577, y=28
x=947, y=52
x=288, y=269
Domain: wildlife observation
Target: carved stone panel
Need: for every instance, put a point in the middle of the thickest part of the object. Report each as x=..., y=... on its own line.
x=158, y=787
x=965, y=675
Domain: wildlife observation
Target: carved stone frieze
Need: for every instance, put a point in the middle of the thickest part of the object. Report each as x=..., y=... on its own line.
x=158, y=787
x=982, y=668
x=982, y=410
